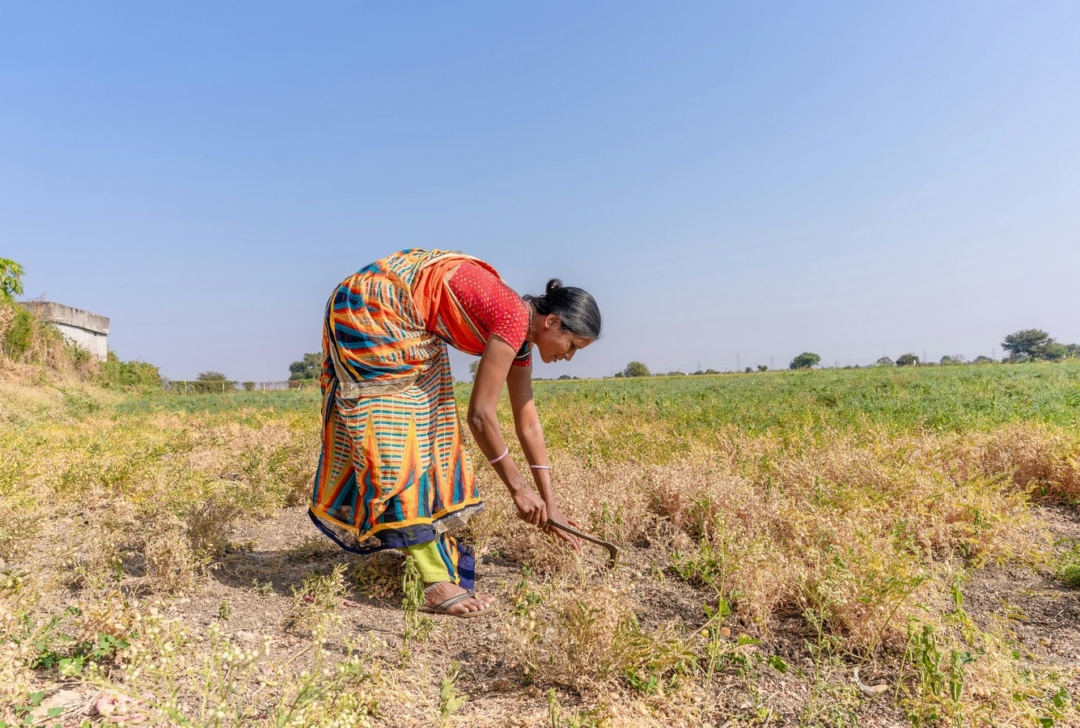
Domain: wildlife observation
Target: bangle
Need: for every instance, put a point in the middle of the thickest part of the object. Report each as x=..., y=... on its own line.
x=540, y=467
x=495, y=460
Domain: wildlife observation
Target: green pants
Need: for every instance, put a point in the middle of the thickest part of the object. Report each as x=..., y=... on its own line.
x=444, y=559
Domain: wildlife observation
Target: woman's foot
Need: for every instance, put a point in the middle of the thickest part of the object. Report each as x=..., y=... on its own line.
x=446, y=597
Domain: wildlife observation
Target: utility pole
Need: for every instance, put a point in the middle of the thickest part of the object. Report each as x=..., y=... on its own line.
x=738, y=364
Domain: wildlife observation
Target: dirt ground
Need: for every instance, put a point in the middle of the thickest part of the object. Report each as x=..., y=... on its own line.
x=257, y=580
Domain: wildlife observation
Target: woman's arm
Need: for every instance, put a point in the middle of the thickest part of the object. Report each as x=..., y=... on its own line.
x=491, y=375
x=531, y=436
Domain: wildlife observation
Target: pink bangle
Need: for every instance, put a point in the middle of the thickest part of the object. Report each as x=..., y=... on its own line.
x=495, y=460
x=540, y=467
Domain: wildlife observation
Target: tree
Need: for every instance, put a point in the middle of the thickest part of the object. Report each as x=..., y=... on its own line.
x=307, y=368
x=1028, y=345
x=1073, y=351
x=636, y=369
x=212, y=377
x=473, y=367
x=11, y=274
x=907, y=360
x=948, y=360
x=884, y=362
x=806, y=360
x=980, y=359
x=762, y=368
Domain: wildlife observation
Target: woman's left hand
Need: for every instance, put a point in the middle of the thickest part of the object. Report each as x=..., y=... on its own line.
x=555, y=514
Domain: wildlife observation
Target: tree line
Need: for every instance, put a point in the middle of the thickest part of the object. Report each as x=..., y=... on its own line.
x=1027, y=345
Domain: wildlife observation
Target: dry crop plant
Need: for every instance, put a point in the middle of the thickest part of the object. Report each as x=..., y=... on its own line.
x=764, y=560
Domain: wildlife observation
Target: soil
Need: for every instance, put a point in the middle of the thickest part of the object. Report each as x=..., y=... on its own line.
x=257, y=587
x=1041, y=612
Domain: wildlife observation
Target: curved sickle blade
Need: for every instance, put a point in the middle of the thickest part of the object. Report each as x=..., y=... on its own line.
x=612, y=549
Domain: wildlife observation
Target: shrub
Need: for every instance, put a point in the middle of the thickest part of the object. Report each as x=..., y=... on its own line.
x=133, y=374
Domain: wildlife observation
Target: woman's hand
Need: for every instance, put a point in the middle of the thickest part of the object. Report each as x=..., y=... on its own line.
x=554, y=514
x=530, y=508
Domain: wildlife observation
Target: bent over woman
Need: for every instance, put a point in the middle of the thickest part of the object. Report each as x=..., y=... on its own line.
x=394, y=472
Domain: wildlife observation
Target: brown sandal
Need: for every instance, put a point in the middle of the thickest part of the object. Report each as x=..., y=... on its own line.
x=443, y=607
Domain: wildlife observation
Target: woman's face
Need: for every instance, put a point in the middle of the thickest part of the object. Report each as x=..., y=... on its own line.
x=554, y=342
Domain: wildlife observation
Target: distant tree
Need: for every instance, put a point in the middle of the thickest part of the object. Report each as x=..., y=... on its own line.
x=762, y=368
x=884, y=362
x=619, y=375
x=748, y=370
x=806, y=360
x=565, y=376
x=11, y=274
x=473, y=367
x=907, y=360
x=983, y=360
x=711, y=371
x=1029, y=345
x=212, y=377
x=952, y=360
x=307, y=368
x=636, y=369
x=1055, y=352
x=1073, y=351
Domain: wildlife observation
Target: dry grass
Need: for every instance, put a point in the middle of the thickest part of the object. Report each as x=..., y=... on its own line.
x=834, y=547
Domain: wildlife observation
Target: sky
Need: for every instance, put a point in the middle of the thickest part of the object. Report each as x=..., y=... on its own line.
x=735, y=183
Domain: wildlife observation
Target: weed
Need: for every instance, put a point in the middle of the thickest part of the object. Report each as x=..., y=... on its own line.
x=316, y=602
x=417, y=626
x=449, y=699
x=262, y=588
x=1068, y=566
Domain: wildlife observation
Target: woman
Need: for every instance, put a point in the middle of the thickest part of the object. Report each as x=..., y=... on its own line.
x=393, y=472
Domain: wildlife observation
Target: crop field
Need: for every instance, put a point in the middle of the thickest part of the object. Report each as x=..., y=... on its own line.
x=826, y=548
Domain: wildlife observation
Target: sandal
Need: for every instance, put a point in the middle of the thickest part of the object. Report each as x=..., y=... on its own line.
x=443, y=607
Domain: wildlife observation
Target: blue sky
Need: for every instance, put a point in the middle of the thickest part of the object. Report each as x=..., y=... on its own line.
x=733, y=182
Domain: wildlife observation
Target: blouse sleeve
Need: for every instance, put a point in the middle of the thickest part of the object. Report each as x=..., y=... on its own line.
x=494, y=307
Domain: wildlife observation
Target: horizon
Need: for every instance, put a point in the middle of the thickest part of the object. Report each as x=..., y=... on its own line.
x=735, y=185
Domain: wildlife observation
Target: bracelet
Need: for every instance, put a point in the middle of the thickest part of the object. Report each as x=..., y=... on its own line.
x=540, y=467
x=505, y=452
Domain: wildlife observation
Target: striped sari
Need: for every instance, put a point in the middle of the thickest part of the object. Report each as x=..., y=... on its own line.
x=393, y=471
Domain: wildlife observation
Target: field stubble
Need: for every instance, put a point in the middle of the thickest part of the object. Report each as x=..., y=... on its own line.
x=780, y=531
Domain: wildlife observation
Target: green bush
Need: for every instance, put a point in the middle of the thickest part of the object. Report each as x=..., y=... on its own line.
x=132, y=374
x=19, y=335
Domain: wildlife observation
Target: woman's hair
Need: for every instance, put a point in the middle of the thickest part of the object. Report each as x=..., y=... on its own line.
x=576, y=309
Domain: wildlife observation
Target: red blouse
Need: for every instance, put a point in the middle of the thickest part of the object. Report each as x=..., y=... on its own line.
x=473, y=305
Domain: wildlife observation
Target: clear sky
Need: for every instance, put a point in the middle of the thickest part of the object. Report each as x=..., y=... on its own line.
x=734, y=182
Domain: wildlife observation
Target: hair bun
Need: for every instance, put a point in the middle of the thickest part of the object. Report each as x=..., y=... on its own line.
x=552, y=285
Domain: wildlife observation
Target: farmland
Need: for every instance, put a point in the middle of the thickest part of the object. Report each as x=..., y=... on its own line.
x=780, y=531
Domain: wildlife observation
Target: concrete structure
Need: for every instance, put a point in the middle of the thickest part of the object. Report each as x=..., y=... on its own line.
x=82, y=328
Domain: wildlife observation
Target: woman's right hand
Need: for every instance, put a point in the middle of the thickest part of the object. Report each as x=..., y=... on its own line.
x=530, y=507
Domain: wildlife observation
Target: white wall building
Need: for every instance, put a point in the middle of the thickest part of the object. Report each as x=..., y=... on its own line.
x=82, y=328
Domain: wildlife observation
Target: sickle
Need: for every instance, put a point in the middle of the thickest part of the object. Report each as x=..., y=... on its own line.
x=612, y=549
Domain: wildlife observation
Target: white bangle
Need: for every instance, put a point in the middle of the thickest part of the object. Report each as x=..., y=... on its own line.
x=540, y=467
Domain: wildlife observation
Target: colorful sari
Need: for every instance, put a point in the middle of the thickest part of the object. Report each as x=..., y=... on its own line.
x=393, y=471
